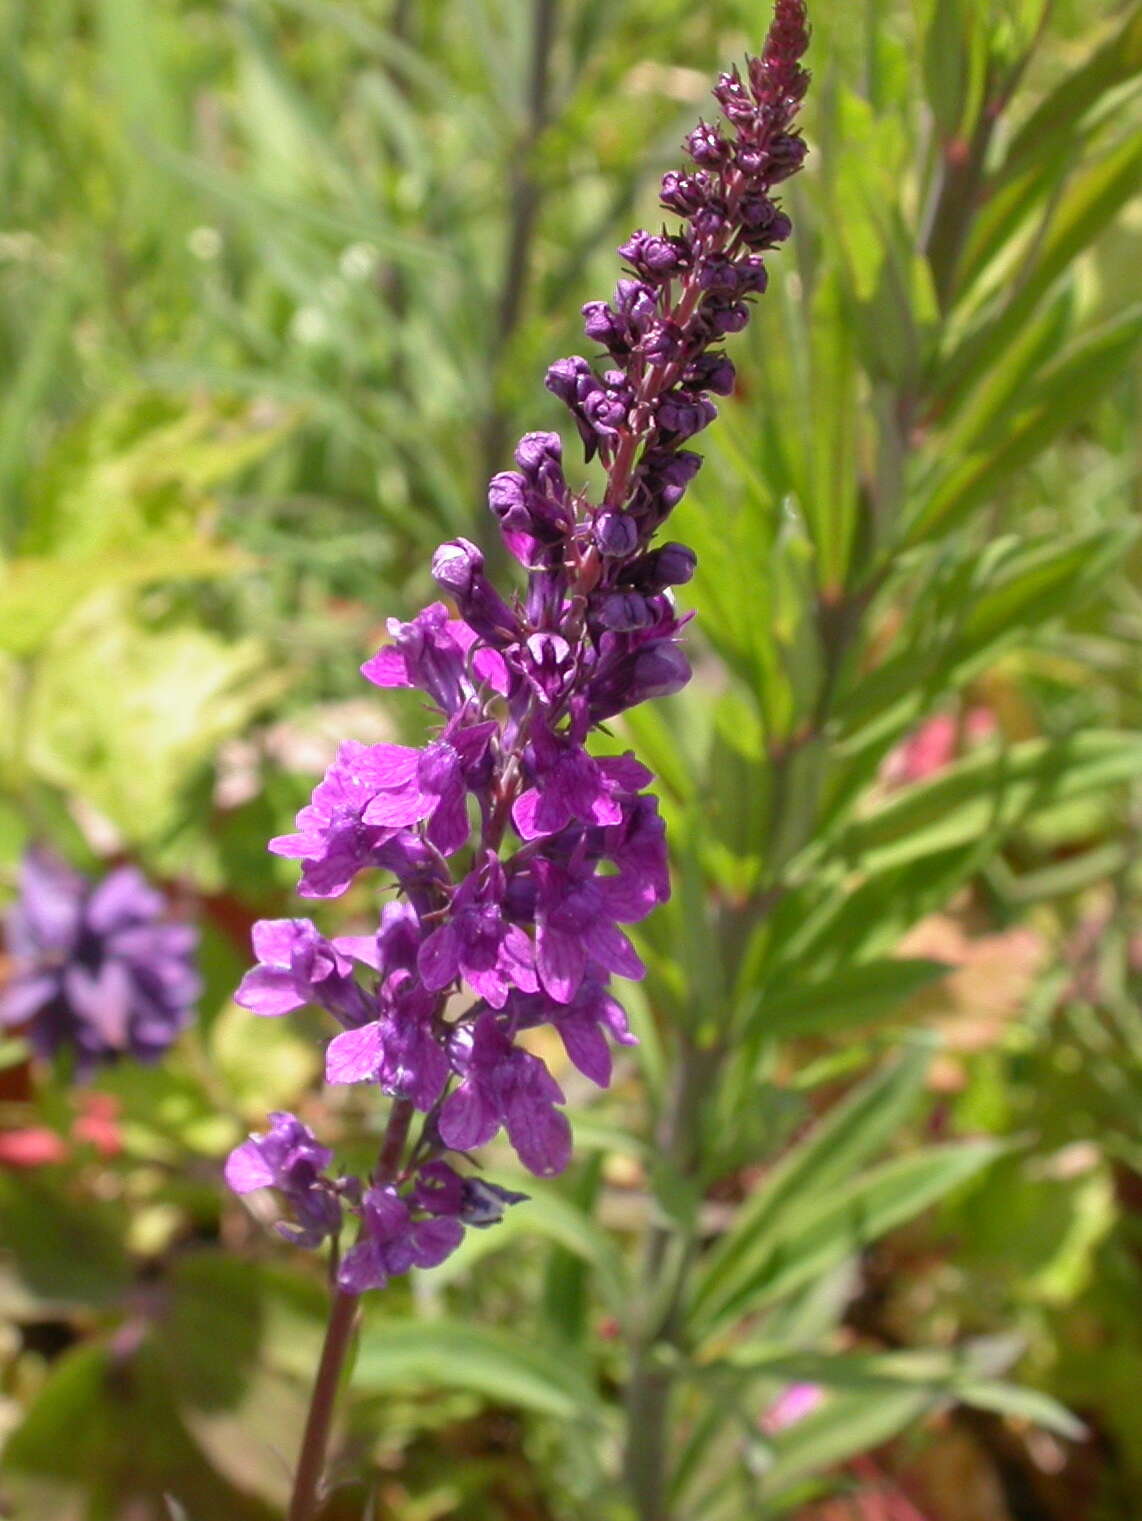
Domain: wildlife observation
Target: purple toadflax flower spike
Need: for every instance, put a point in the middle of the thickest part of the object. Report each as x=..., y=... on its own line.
x=97, y=969
x=566, y=846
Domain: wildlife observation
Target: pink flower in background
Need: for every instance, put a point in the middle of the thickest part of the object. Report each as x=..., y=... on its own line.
x=793, y=1404
x=935, y=744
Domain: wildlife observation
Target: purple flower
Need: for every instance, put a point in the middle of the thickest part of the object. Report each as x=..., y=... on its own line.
x=392, y=1242
x=333, y=841
x=570, y=784
x=577, y=916
x=95, y=969
x=298, y=966
x=440, y=1190
x=399, y=1049
x=504, y=1085
x=568, y=847
x=582, y=1025
x=435, y=653
x=290, y=1160
x=477, y=943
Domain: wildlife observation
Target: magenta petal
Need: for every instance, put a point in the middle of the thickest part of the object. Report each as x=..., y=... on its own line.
x=434, y=1240
x=448, y=829
x=385, y=765
x=625, y=773
x=587, y=1047
x=387, y=668
x=438, y=960
x=355, y=1055
x=275, y=940
x=611, y=948
x=392, y=810
x=295, y=847
x=562, y=960
x=489, y=983
x=540, y=1134
x=525, y=814
x=516, y=959
x=362, y=948
x=246, y=1169
x=362, y=1267
x=467, y=1120
x=270, y=991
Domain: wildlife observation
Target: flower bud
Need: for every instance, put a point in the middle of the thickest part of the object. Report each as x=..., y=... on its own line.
x=616, y=534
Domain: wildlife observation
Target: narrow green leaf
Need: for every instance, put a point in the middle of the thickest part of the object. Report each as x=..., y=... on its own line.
x=1063, y=396
x=855, y=996
x=820, y=1233
x=502, y=1367
x=848, y=1135
x=985, y=794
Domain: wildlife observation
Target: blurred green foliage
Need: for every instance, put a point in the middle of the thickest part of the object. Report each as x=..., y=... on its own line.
x=278, y=283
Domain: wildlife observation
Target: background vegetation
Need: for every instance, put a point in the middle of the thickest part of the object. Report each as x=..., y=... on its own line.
x=278, y=282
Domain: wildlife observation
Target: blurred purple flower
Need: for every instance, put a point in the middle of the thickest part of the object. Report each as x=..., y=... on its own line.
x=96, y=969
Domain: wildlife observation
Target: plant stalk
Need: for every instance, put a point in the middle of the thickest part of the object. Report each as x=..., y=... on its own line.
x=344, y=1313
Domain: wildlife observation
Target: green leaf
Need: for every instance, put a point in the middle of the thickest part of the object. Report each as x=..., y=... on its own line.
x=985, y=795
x=66, y=1251
x=856, y=996
x=1091, y=201
x=821, y=1232
x=849, y=1134
x=504, y=1368
x=178, y=692
x=551, y=1216
x=1062, y=397
x=1021, y=1404
x=36, y=595
x=1053, y=123
x=845, y=1425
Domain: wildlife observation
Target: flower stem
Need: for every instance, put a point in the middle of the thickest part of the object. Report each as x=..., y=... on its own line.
x=343, y=1316
x=311, y=1459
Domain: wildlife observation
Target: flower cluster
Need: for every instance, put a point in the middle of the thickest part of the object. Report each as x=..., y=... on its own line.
x=519, y=857
x=96, y=970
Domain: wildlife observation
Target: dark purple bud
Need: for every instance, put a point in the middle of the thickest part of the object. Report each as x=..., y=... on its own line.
x=684, y=193
x=616, y=534
x=568, y=378
x=753, y=277
x=722, y=317
x=537, y=451
x=735, y=100
x=603, y=325
x=458, y=568
x=608, y=407
x=707, y=146
x=685, y=412
x=670, y=565
x=786, y=155
x=507, y=498
x=659, y=670
x=710, y=372
x=709, y=221
x=656, y=256
x=663, y=343
x=776, y=76
x=662, y=480
x=624, y=612
x=764, y=226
